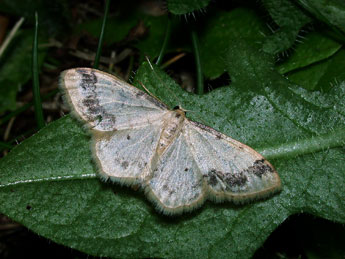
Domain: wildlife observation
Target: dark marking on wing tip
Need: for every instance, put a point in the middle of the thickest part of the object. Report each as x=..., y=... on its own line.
x=124, y=164
x=211, y=178
x=239, y=179
x=260, y=168
x=99, y=118
x=128, y=137
x=230, y=179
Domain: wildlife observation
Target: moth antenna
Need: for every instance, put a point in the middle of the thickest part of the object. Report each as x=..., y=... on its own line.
x=172, y=93
x=147, y=90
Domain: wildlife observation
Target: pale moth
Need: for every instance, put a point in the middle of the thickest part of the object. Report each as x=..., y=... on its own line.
x=179, y=163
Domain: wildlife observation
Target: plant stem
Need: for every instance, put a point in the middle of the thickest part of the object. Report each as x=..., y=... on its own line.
x=36, y=86
x=165, y=42
x=200, y=81
x=101, y=36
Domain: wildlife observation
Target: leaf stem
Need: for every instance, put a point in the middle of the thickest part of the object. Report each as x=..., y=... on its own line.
x=11, y=36
x=165, y=42
x=101, y=36
x=36, y=86
x=195, y=43
x=335, y=138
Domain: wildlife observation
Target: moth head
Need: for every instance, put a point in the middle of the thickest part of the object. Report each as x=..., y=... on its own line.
x=180, y=110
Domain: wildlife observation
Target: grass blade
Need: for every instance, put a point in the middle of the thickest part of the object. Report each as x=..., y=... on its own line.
x=101, y=36
x=36, y=86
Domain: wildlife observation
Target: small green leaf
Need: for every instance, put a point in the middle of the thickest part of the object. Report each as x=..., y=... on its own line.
x=286, y=13
x=290, y=18
x=314, y=48
x=183, y=6
x=321, y=75
x=221, y=28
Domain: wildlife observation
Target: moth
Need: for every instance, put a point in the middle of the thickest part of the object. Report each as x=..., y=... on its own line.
x=179, y=163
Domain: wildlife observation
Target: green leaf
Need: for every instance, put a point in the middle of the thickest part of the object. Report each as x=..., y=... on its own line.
x=322, y=75
x=314, y=48
x=48, y=182
x=331, y=12
x=15, y=68
x=290, y=18
x=221, y=28
x=183, y=6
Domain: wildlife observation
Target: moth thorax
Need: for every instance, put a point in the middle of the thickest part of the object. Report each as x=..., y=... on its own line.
x=172, y=127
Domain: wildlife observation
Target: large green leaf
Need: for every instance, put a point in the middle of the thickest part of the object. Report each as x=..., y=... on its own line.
x=48, y=182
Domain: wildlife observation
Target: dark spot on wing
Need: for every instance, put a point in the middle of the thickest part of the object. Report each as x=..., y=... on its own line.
x=238, y=179
x=259, y=168
x=211, y=178
x=90, y=101
x=88, y=80
x=229, y=179
x=95, y=110
x=125, y=164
